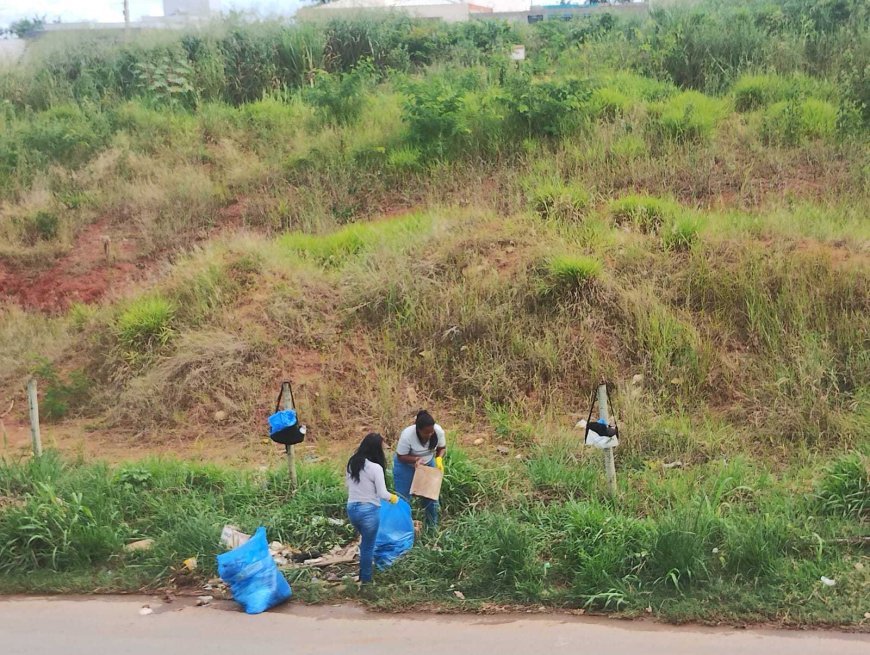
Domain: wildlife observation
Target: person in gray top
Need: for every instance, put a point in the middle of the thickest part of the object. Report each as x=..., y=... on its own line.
x=366, y=488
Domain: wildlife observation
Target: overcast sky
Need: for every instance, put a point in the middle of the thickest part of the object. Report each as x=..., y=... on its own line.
x=112, y=10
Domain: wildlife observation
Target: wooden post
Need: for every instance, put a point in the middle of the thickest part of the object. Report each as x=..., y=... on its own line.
x=33, y=403
x=609, y=463
x=289, y=403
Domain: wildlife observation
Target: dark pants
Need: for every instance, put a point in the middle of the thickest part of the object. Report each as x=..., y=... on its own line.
x=366, y=518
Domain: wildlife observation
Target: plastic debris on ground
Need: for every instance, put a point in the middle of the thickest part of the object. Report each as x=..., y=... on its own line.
x=827, y=581
x=252, y=575
x=232, y=537
x=137, y=546
x=395, y=534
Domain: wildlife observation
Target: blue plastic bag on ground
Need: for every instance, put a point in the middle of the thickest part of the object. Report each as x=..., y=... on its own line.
x=252, y=576
x=395, y=533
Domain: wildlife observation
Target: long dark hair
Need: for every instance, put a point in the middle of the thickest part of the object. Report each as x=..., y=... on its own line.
x=424, y=420
x=371, y=448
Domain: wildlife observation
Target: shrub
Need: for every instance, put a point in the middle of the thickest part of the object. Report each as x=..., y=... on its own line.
x=339, y=97
x=59, y=396
x=755, y=91
x=609, y=103
x=792, y=122
x=844, y=489
x=629, y=147
x=546, y=107
x=568, y=274
x=560, y=200
x=65, y=135
x=689, y=116
x=681, y=232
x=41, y=226
x=647, y=213
x=145, y=325
x=405, y=159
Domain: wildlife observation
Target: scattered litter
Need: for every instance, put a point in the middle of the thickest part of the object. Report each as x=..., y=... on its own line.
x=715, y=551
x=502, y=450
x=190, y=564
x=305, y=555
x=276, y=547
x=335, y=522
x=673, y=465
x=518, y=457
x=332, y=577
x=418, y=528
x=648, y=609
x=232, y=537
x=136, y=546
x=220, y=416
x=145, y=611
x=859, y=566
x=207, y=587
x=478, y=441
x=867, y=615
x=204, y=600
x=459, y=595
x=637, y=379
x=827, y=581
x=338, y=555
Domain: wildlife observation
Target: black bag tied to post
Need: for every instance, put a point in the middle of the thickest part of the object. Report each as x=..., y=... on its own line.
x=600, y=427
x=284, y=426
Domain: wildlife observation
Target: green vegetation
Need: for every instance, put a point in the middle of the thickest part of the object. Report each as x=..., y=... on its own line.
x=722, y=541
x=397, y=215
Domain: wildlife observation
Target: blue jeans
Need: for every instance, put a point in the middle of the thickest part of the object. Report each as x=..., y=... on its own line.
x=366, y=518
x=403, y=475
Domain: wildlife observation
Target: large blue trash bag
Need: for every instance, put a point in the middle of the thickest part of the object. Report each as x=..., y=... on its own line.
x=252, y=575
x=395, y=533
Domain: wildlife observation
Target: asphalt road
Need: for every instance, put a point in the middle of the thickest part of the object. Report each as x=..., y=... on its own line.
x=72, y=626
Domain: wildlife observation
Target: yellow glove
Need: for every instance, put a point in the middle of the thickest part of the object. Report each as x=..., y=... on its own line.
x=394, y=499
x=439, y=464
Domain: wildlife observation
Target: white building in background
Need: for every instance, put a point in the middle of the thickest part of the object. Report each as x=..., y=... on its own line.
x=451, y=11
x=194, y=8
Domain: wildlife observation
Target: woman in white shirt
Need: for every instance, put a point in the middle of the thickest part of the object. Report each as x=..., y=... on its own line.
x=421, y=444
x=366, y=488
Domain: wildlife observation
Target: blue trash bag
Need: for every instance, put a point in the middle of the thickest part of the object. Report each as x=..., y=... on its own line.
x=395, y=533
x=284, y=418
x=252, y=576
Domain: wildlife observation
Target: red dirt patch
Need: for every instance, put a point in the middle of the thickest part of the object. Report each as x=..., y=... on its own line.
x=103, y=256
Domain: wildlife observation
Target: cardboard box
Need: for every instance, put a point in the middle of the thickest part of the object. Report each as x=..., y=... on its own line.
x=427, y=482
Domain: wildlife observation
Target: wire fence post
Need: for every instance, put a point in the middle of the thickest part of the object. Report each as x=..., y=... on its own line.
x=289, y=403
x=609, y=462
x=33, y=404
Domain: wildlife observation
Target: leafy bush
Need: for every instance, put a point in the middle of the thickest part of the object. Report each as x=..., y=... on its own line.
x=64, y=135
x=41, y=226
x=59, y=396
x=546, y=107
x=339, y=97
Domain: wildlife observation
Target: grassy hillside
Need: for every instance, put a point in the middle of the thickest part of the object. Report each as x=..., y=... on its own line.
x=395, y=215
